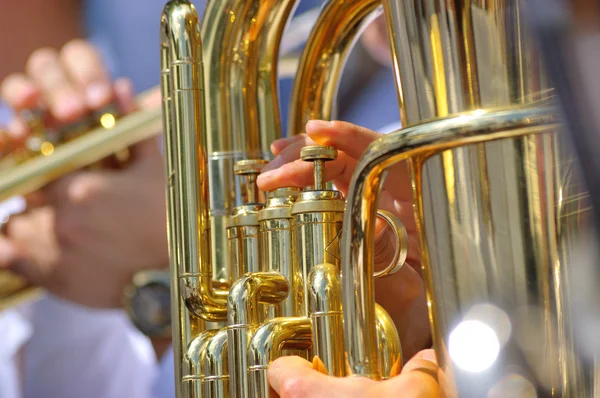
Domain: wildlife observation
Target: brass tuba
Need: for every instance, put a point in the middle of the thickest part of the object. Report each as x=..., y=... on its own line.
x=497, y=202
x=282, y=291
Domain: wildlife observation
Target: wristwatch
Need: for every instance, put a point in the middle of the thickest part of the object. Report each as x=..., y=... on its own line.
x=148, y=303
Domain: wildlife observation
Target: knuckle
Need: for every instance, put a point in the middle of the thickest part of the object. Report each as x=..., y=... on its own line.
x=84, y=189
x=40, y=59
x=77, y=48
x=10, y=86
x=80, y=193
x=12, y=80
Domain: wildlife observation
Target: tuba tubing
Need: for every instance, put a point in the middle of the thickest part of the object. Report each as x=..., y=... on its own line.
x=418, y=142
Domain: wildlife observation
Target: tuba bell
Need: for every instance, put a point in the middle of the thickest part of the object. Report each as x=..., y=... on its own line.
x=497, y=202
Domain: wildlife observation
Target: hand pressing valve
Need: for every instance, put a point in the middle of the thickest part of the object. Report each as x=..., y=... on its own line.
x=401, y=294
x=294, y=377
x=87, y=233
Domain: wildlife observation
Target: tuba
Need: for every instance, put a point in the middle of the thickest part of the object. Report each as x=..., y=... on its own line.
x=277, y=291
x=497, y=201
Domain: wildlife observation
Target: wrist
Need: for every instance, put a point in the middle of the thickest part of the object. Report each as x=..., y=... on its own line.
x=147, y=302
x=161, y=346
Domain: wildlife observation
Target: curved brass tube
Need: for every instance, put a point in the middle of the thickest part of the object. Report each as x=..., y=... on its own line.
x=193, y=365
x=244, y=314
x=181, y=38
x=268, y=343
x=258, y=61
x=217, y=33
x=325, y=309
x=216, y=366
x=416, y=142
x=324, y=57
x=388, y=341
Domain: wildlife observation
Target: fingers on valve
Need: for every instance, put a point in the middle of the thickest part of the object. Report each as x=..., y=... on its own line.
x=86, y=69
x=62, y=97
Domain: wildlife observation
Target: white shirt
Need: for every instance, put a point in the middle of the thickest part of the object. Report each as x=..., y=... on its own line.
x=15, y=330
x=70, y=351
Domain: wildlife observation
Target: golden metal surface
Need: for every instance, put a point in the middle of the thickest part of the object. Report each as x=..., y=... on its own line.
x=487, y=170
x=323, y=59
x=244, y=315
x=325, y=300
x=270, y=342
x=276, y=249
x=318, y=155
x=488, y=188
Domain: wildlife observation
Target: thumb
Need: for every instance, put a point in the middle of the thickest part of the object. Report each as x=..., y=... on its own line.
x=294, y=377
x=8, y=253
x=125, y=95
x=418, y=379
x=423, y=361
x=146, y=150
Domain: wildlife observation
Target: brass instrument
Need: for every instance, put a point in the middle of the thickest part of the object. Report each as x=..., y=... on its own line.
x=282, y=292
x=496, y=200
x=498, y=205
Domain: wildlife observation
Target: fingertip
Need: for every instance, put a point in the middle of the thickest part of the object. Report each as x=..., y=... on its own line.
x=421, y=365
x=279, y=145
x=318, y=123
x=428, y=355
x=19, y=92
x=265, y=180
x=125, y=94
x=282, y=368
x=98, y=94
x=17, y=131
x=313, y=126
x=68, y=109
x=8, y=253
x=28, y=97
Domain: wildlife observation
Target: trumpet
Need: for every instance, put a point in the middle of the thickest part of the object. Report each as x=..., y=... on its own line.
x=497, y=202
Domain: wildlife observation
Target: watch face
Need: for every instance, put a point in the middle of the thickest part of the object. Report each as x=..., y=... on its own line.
x=151, y=308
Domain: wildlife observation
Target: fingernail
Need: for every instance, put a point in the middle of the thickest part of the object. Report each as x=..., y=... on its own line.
x=68, y=108
x=265, y=178
x=318, y=124
x=17, y=129
x=429, y=355
x=98, y=94
x=273, y=164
